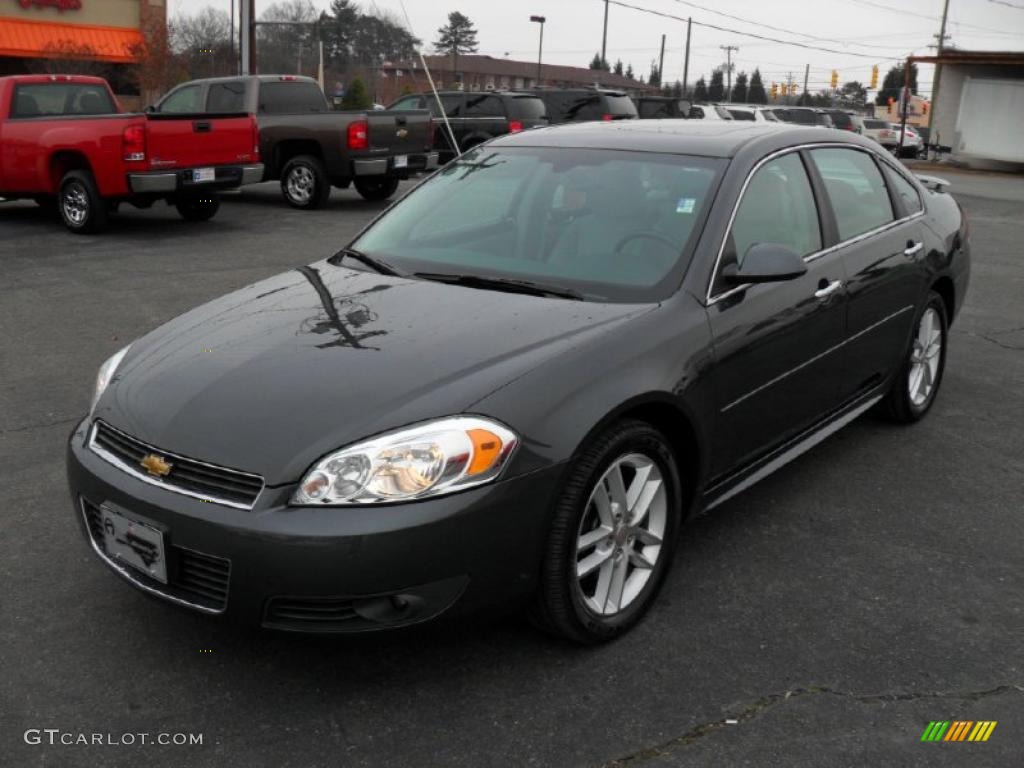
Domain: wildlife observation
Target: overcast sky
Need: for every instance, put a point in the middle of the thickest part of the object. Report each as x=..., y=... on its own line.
x=862, y=32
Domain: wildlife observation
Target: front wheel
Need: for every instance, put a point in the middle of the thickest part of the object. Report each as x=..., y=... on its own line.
x=376, y=189
x=198, y=207
x=914, y=390
x=81, y=208
x=612, y=537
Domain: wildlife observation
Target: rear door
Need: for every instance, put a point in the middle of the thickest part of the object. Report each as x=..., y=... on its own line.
x=778, y=346
x=486, y=117
x=881, y=243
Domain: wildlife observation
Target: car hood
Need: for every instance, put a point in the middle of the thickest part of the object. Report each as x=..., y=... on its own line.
x=271, y=377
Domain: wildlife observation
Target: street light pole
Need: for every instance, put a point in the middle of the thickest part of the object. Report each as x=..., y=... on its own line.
x=540, y=50
x=604, y=36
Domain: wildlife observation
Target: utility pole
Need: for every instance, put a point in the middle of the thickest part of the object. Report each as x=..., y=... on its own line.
x=661, y=63
x=686, y=61
x=234, y=61
x=604, y=37
x=728, y=69
x=807, y=74
x=247, y=30
x=906, y=103
x=940, y=44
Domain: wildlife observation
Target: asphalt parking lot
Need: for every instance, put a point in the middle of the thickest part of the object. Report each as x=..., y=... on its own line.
x=822, y=618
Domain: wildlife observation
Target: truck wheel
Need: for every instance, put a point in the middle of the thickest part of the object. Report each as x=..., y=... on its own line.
x=304, y=183
x=83, y=210
x=198, y=207
x=377, y=188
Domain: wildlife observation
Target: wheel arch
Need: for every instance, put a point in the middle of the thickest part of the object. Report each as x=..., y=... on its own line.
x=288, y=149
x=945, y=288
x=63, y=161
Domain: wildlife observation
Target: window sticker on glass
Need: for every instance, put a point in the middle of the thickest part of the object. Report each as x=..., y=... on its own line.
x=686, y=205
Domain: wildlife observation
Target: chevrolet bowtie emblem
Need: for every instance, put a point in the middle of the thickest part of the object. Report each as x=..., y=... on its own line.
x=401, y=133
x=156, y=465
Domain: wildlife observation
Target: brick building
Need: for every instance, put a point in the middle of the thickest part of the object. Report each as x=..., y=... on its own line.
x=486, y=73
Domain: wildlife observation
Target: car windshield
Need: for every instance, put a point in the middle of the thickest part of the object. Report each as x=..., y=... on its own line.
x=610, y=225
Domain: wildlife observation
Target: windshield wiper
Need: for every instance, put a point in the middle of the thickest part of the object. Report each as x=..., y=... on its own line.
x=501, y=284
x=371, y=261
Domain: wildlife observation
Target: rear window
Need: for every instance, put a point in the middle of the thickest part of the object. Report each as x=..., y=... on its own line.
x=529, y=108
x=804, y=117
x=875, y=124
x=484, y=106
x=619, y=106
x=741, y=114
x=51, y=99
x=291, y=97
x=226, y=97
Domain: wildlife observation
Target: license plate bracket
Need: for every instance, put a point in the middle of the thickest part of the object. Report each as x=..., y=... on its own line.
x=134, y=543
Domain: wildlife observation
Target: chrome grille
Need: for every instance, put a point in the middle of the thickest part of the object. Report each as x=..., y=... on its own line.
x=188, y=476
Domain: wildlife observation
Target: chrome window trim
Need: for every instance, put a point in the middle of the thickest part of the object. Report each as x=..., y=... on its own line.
x=116, y=461
x=710, y=300
x=124, y=573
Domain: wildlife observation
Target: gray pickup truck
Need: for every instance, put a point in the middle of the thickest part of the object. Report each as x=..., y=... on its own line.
x=309, y=147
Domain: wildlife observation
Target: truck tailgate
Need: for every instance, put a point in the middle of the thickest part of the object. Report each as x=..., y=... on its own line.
x=401, y=132
x=190, y=141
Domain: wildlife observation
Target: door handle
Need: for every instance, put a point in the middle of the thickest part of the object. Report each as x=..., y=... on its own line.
x=913, y=248
x=825, y=291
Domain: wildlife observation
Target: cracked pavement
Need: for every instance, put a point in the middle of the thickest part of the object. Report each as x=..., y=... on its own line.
x=832, y=611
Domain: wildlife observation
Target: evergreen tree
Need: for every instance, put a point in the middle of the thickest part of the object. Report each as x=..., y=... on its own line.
x=700, y=91
x=755, y=92
x=356, y=96
x=618, y=67
x=740, y=92
x=655, y=78
x=629, y=71
x=595, y=63
x=716, y=90
x=457, y=37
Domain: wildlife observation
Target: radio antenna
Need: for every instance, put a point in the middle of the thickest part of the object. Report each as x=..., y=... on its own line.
x=433, y=88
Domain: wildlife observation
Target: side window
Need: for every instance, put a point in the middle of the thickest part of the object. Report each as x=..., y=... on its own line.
x=777, y=207
x=484, y=106
x=452, y=105
x=856, y=188
x=696, y=113
x=409, y=102
x=905, y=191
x=185, y=100
x=226, y=97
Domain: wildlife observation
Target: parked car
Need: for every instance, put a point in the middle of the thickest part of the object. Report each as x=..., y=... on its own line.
x=661, y=107
x=751, y=112
x=913, y=144
x=514, y=385
x=65, y=143
x=573, y=105
x=305, y=145
x=709, y=112
x=476, y=117
x=888, y=135
x=802, y=116
x=845, y=120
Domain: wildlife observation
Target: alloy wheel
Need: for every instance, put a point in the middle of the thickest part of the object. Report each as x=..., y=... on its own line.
x=75, y=203
x=621, y=533
x=300, y=184
x=925, y=357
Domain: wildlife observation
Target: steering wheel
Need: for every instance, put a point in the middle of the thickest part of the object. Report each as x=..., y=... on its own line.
x=647, y=235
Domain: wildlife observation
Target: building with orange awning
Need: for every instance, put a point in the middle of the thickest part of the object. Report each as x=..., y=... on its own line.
x=102, y=37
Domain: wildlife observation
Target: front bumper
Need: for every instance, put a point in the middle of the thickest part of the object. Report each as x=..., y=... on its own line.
x=385, y=166
x=319, y=569
x=181, y=180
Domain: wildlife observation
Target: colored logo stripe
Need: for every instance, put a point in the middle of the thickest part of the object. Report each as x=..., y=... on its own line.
x=958, y=730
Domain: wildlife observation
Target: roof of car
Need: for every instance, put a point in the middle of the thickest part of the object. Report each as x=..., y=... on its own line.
x=685, y=137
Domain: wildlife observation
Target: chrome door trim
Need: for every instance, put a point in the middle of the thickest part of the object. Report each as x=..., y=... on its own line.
x=710, y=300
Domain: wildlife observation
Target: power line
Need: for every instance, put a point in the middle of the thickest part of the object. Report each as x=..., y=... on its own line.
x=749, y=34
x=1008, y=5
x=931, y=18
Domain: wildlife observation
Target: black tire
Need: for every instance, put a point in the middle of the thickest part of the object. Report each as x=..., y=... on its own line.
x=198, y=207
x=561, y=605
x=304, y=183
x=376, y=188
x=81, y=208
x=899, y=405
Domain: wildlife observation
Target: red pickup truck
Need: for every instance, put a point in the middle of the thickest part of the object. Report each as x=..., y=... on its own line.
x=65, y=143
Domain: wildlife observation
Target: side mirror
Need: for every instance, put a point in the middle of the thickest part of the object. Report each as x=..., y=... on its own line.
x=766, y=263
x=150, y=109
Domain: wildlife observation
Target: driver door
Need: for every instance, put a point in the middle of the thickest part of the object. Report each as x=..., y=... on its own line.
x=778, y=346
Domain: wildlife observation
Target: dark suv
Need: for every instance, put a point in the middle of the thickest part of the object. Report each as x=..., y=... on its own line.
x=476, y=117
x=658, y=107
x=574, y=105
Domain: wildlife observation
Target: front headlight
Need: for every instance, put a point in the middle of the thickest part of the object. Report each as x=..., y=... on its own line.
x=106, y=373
x=427, y=460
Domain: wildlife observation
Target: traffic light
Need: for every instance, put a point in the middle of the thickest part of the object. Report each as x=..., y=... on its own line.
x=835, y=79
x=775, y=90
x=874, y=77
x=924, y=108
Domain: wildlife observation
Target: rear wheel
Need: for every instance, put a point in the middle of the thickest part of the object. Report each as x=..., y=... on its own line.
x=81, y=208
x=613, y=536
x=198, y=207
x=304, y=182
x=914, y=390
x=376, y=189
